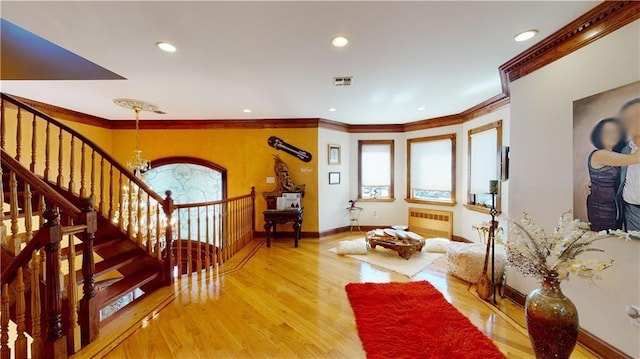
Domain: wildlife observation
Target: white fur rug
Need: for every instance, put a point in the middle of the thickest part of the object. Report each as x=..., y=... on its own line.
x=390, y=260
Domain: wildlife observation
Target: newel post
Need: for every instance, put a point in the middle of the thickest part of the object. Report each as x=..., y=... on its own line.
x=56, y=341
x=89, y=316
x=253, y=210
x=169, y=262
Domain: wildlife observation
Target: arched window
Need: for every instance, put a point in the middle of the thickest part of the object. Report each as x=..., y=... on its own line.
x=190, y=180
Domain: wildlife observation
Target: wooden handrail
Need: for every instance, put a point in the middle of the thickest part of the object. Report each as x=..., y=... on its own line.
x=211, y=203
x=22, y=258
x=36, y=183
x=90, y=143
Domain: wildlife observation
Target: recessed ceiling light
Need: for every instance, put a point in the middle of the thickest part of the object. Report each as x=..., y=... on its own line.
x=247, y=110
x=525, y=35
x=166, y=47
x=340, y=41
x=421, y=108
x=332, y=109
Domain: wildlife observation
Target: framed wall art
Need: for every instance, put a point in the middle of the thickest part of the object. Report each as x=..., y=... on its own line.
x=334, y=177
x=334, y=154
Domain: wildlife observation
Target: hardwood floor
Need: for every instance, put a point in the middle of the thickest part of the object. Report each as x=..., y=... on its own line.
x=282, y=302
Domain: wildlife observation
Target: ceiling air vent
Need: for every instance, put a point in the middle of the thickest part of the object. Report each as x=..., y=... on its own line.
x=342, y=81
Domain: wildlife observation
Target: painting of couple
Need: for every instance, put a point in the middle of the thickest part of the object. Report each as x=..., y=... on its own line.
x=609, y=159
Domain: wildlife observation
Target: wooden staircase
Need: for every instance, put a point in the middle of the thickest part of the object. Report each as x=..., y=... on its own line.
x=82, y=236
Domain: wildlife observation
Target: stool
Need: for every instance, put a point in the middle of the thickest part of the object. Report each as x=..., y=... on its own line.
x=466, y=261
x=354, y=217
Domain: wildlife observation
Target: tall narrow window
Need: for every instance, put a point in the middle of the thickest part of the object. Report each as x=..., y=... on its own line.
x=484, y=147
x=431, y=169
x=375, y=167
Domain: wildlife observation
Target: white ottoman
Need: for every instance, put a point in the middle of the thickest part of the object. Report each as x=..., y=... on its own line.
x=466, y=260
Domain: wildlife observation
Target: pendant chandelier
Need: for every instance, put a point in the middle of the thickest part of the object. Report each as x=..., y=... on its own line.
x=137, y=163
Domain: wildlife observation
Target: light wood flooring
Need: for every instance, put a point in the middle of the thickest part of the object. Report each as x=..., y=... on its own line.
x=283, y=302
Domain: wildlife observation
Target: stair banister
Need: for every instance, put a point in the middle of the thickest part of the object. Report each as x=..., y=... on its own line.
x=87, y=141
x=36, y=183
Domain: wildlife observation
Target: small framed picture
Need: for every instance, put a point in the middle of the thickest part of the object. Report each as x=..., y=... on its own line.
x=334, y=177
x=334, y=154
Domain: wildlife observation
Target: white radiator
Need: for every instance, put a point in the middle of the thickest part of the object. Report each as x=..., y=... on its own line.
x=431, y=223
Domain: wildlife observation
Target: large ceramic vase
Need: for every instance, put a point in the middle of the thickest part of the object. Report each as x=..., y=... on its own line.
x=552, y=321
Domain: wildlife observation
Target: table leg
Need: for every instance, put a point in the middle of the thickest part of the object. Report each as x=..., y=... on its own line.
x=267, y=229
x=296, y=228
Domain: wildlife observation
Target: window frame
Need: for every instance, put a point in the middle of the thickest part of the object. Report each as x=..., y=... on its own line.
x=391, y=144
x=475, y=207
x=409, y=197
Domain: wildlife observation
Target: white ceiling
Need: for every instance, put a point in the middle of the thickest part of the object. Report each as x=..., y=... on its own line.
x=276, y=58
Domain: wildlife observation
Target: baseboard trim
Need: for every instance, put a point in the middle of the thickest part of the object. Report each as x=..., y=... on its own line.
x=287, y=234
x=334, y=231
x=585, y=338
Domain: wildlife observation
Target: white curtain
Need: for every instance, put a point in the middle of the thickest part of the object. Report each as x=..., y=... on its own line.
x=484, y=160
x=376, y=165
x=431, y=165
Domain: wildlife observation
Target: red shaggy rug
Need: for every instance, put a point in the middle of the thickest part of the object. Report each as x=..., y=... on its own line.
x=413, y=320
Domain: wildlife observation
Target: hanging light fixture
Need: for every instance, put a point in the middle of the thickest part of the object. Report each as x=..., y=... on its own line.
x=137, y=164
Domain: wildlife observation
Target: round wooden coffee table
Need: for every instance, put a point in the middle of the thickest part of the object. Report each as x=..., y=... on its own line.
x=404, y=246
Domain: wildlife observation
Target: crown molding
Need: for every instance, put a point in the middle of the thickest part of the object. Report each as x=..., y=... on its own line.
x=596, y=23
x=216, y=124
x=66, y=114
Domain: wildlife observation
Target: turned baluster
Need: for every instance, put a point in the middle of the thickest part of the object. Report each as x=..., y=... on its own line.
x=60, y=178
x=253, y=211
x=72, y=165
x=89, y=311
x=36, y=334
x=73, y=330
x=199, y=245
x=120, y=203
x=47, y=151
x=189, y=254
x=130, y=212
x=19, y=135
x=207, y=255
x=148, y=229
x=20, y=344
x=34, y=144
x=83, y=168
x=179, y=245
x=101, y=208
x=56, y=344
x=111, y=214
x=215, y=238
x=14, y=243
x=28, y=213
x=5, y=351
x=225, y=231
x=168, y=259
x=139, y=222
x=158, y=233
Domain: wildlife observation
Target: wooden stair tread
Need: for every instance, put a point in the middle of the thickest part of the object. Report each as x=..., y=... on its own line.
x=97, y=244
x=125, y=285
x=110, y=264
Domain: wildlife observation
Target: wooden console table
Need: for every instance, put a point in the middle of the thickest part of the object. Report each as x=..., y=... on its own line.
x=273, y=216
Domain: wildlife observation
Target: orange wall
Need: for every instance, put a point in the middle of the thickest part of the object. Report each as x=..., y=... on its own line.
x=243, y=152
